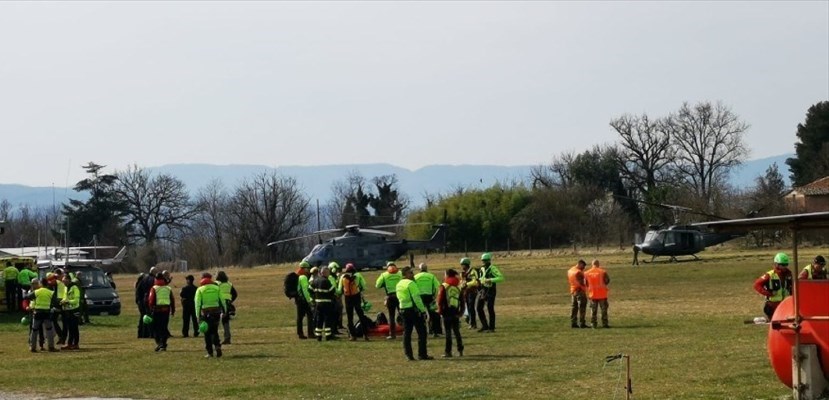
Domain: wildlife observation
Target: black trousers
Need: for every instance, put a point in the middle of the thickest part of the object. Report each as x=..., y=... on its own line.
x=12, y=295
x=391, y=305
x=434, y=317
x=144, y=330
x=413, y=320
x=303, y=312
x=452, y=325
x=188, y=316
x=470, y=297
x=353, y=304
x=70, y=323
x=486, y=299
x=325, y=319
x=59, y=327
x=161, y=322
x=211, y=337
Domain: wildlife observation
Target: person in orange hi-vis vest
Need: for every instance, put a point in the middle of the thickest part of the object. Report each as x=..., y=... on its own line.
x=597, y=281
x=575, y=277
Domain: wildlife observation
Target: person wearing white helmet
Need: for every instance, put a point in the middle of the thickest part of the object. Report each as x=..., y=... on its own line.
x=489, y=276
x=469, y=284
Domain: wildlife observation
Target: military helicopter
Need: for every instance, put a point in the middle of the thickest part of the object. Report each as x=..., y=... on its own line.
x=678, y=240
x=366, y=247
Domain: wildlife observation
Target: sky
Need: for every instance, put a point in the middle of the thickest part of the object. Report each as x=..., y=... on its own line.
x=406, y=83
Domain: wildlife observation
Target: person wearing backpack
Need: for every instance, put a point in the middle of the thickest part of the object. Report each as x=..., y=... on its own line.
x=229, y=295
x=450, y=307
x=388, y=281
x=351, y=287
x=296, y=287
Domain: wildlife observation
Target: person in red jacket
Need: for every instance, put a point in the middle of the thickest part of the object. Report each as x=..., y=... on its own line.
x=450, y=307
x=776, y=284
x=162, y=304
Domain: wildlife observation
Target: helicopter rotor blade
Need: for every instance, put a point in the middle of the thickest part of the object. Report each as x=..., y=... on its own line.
x=396, y=225
x=291, y=239
x=673, y=207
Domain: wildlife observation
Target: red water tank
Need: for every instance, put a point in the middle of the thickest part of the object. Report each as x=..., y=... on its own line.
x=814, y=302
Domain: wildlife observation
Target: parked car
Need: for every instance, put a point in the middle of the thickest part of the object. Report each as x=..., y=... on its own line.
x=101, y=298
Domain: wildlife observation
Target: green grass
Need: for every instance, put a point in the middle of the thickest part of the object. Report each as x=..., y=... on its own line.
x=682, y=325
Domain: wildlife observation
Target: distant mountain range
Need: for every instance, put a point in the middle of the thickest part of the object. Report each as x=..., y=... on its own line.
x=317, y=180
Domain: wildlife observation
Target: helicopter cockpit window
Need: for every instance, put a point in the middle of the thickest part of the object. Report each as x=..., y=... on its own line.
x=651, y=235
x=671, y=238
x=321, y=250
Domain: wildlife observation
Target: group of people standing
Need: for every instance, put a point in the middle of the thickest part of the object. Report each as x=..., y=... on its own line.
x=54, y=303
x=777, y=283
x=588, y=285
x=203, y=307
x=420, y=299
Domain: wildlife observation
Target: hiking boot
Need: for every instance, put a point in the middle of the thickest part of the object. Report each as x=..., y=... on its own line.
x=426, y=358
x=582, y=326
x=574, y=326
x=302, y=337
x=351, y=339
x=410, y=358
x=67, y=347
x=33, y=350
x=460, y=353
x=447, y=355
x=208, y=355
x=226, y=341
x=53, y=350
x=390, y=337
x=218, y=353
x=483, y=329
x=157, y=348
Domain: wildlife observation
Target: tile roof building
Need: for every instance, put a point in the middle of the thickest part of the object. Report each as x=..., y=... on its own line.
x=812, y=197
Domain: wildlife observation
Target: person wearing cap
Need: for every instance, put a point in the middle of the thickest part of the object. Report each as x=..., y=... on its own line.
x=776, y=284
x=303, y=301
x=469, y=284
x=489, y=276
x=324, y=294
x=414, y=315
x=334, y=277
x=228, y=296
x=450, y=307
x=388, y=282
x=143, y=284
x=43, y=302
x=597, y=280
x=428, y=286
x=578, y=298
x=71, y=304
x=10, y=275
x=815, y=270
x=162, y=304
x=188, y=307
x=209, y=308
x=351, y=287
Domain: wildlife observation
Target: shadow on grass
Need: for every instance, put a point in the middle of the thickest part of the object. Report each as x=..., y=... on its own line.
x=248, y=356
x=490, y=357
x=249, y=343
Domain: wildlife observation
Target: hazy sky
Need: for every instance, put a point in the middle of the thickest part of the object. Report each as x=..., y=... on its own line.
x=407, y=83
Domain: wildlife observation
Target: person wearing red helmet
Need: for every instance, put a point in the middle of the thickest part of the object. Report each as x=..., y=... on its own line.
x=162, y=304
x=351, y=287
x=388, y=281
x=450, y=307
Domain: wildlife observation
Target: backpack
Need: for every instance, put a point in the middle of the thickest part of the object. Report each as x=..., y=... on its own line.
x=350, y=285
x=290, y=285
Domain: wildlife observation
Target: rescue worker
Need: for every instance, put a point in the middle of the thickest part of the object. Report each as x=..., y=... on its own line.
x=578, y=298
x=143, y=285
x=815, y=270
x=351, y=287
x=12, y=295
x=228, y=296
x=162, y=304
x=324, y=293
x=450, y=307
x=59, y=293
x=414, y=315
x=388, y=281
x=43, y=302
x=597, y=280
x=428, y=286
x=334, y=277
x=71, y=304
x=303, y=301
x=188, y=308
x=209, y=308
x=776, y=284
x=489, y=276
x=24, y=280
x=469, y=284
x=83, y=317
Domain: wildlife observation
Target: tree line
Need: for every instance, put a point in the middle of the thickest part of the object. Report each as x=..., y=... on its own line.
x=586, y=198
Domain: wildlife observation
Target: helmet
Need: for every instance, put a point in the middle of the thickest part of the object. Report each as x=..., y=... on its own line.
x=314, y=270
x=366, y=306
x=147, y=319
x=820, y=260
x=392, y=269
x=390, y=263
x=304, y=264
x=203, y=327
x=333, y=266
x=24, y=320
x=781, y=258
x=350, y=267
x=486, y=257
x=465, y=261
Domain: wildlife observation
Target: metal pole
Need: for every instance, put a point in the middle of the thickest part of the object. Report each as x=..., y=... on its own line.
x=628, y=388
x=797, y=320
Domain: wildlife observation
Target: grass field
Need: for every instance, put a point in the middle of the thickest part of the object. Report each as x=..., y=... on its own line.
x=681, y=324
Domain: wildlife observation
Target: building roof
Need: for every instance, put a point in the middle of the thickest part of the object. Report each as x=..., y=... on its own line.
x=816, y=188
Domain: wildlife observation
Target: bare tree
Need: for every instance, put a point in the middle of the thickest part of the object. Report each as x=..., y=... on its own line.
x=556, y=174
x=708, y=143
x=267, y=208
x=213, y=202
x=157, y=206
x=645, y=153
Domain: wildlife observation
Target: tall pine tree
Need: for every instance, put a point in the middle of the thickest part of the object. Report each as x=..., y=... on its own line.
x=811, y=161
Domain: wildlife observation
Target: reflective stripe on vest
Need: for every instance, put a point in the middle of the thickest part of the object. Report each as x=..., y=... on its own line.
x=453, y=295
x=596, y=288
x=224, y=289
x=43, y=299
x=776, y=287
x=163, y=295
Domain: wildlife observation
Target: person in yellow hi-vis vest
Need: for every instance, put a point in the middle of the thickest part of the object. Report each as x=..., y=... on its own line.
x=228, y=296
x=209, y=308
x=597, y=281
x=43, y=302
x=162, y=305
x=71, y=304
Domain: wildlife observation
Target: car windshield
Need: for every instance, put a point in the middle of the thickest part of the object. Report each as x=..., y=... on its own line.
x=93, y=278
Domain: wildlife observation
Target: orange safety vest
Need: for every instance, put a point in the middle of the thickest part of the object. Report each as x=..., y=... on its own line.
x=572, y=278
x=350, y=286
x=596, y=288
